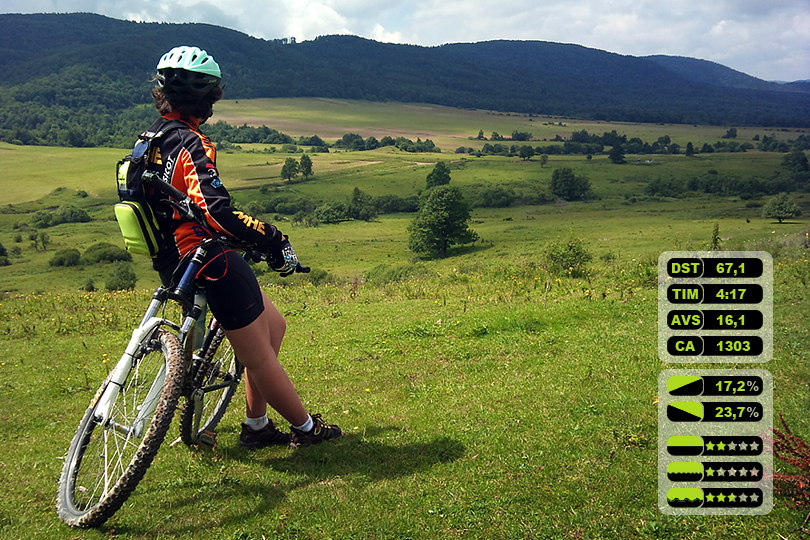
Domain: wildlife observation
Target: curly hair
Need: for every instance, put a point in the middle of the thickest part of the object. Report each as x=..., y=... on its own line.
x=201, y=109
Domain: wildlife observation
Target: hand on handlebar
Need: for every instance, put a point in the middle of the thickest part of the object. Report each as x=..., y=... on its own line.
x=284, y=260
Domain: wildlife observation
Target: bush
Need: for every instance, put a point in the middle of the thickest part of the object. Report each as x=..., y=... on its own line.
x=41, y=219
x=389, y=204
x=121, y=277
x=104, y=252
x=331, y=212
x=568, y=258
x=66, y=257
x=317, y=276
x=71, y=214
x=64, y=214
x=497, y=197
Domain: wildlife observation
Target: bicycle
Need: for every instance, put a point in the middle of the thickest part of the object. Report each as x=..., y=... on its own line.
x=131, y=412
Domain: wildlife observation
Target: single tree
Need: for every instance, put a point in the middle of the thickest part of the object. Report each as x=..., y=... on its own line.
x=442, y=221
x=543, y=160
x=795, y=161
x=690, y=149
x=439, y=176
x=616, y=154
x=568, y=186
x=526, y=152
x=289, y=169
x=361, y=206
x=121, y=277
x=780, y=207
x=305, y=166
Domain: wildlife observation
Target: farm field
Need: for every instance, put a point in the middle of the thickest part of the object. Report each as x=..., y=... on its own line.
x=483, y=395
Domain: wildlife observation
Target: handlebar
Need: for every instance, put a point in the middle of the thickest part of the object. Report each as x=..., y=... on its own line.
x=189, y=209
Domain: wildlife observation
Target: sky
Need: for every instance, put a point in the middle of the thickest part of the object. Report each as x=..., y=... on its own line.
x=769, y=39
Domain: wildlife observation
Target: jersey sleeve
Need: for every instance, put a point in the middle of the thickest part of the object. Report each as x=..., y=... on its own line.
x=196, y=174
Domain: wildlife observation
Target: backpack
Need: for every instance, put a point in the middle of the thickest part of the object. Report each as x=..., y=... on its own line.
x=137, y=213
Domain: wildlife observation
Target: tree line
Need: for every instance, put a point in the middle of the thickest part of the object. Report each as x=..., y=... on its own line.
x=793, y=174
x=584, y=143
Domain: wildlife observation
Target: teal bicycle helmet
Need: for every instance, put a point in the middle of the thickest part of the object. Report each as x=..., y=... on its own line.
x=187, y=72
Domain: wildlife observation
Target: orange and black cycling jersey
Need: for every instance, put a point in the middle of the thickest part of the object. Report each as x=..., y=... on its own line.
x=186, y=159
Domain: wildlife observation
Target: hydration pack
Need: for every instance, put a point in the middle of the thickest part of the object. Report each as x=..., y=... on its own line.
x=137, y=213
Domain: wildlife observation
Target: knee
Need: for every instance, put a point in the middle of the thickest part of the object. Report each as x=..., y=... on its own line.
x=280, y=325
x=277, y=324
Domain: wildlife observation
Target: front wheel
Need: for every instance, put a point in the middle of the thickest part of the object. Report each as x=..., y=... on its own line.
x=106, y=461
x=212, y=390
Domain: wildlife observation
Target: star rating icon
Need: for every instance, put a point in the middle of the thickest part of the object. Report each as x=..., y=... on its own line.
x=710, y=446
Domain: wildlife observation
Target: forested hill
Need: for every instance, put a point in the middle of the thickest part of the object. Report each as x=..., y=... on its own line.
x=90, y=62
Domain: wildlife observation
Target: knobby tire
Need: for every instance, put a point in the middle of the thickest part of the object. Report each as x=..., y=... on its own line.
x=74, y=506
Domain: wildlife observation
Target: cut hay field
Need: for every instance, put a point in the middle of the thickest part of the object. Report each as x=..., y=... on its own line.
x=447, y=126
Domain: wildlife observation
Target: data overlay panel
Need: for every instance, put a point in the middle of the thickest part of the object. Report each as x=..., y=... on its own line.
x=715, y=306
x=715, y=451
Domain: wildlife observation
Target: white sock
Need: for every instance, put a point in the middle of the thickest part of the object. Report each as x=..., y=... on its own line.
x=257, y=423
x=307, y=426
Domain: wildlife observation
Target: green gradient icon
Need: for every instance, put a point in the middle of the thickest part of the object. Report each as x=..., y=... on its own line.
x=685, y=471
x=682, y=385
x=685, y=497
x=685, y=411
x=685, y=445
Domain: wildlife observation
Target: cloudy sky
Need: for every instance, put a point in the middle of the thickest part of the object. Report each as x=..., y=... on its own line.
x=769, y=39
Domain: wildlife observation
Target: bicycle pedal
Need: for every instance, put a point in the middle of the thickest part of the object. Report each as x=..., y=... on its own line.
x=207, y=439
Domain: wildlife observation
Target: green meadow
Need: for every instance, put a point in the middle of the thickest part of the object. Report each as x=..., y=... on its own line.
x=483, y=395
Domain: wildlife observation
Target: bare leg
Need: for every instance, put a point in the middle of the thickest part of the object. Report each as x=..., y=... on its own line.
x=266, y=382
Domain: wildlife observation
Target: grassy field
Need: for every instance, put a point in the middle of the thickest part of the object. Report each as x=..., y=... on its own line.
x=448, y=127
x=482, y=395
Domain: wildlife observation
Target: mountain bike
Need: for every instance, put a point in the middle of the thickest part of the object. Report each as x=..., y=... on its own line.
x=127, y=419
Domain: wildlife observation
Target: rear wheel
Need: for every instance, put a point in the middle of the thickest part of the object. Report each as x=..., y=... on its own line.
x=213, y=388
x=106, y=461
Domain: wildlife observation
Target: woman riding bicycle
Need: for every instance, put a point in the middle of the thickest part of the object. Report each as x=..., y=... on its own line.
x=188, y=84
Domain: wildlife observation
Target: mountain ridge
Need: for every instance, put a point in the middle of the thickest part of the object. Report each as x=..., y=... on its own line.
x=535, y=77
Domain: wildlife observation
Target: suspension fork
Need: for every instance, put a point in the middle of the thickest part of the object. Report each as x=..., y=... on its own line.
x=141, y=337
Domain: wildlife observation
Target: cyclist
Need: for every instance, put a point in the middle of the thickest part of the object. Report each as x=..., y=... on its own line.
x=187, y=86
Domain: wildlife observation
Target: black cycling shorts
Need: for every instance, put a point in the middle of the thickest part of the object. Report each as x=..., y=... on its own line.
x=232, y=290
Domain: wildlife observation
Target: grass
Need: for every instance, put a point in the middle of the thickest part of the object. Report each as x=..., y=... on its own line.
x=482, y=396
x=483, y=404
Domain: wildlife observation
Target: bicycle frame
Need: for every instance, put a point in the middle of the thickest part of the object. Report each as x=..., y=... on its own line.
x=141, y=337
